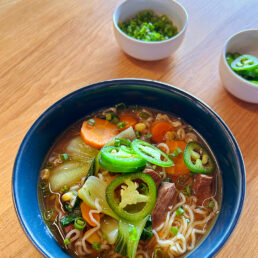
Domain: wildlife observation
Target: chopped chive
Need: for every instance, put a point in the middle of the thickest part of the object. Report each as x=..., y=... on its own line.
x=48, y=214
x=188, y=190
x=79, y=223
x=117, y=142
x=125, y=142
x=148, y=136
x=104, y=236
x=138, y=134
x=121, y=125
x=114, y=120
x=120, y=106
x=67, y=241
x=64, y=157
x=174, y=230
x=91, y=122
x=175, y=153
x=144, y=115
x=158, y=253
x=96, y=246
x=180, y=211
x=109, y=116
x=132, y=233
x=211, y=204
x=64, y=189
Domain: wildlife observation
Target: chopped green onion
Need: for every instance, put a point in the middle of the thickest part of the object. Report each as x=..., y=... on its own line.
x=180, y=211
x=49, y=165
x=158, y=253
x=138, y=134
x=211, y=204
x=174, y=230
x=67, y=241
x=117, y=142
x=132, y=233
x=104, y=236
x=64, y=157
x=120, y=106
x=91, y=122
x=96, y=246
x=121, y=125
x=79, y=223
x=188, y=190
x=175, y=153
x=143, y=188
x=64, y=189
x=114, y=120
x=148, y=136
x=144, y=115
x=121, y=141
x=167, y=180
x=188, y=220
x=48, y=214
x=109, y=116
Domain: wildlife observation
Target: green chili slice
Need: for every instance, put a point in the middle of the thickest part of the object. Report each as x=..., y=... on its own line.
x=197, y=158
x=115, y=159
x=151, y=153
x=132, y=205
x=244, y=63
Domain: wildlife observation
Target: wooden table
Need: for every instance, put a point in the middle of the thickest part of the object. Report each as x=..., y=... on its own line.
x=49, y=48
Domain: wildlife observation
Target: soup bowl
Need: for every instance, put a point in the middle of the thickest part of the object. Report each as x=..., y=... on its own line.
x=164, y=97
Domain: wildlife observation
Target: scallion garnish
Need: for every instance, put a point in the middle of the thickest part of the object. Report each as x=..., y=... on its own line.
x=114, y=120
x=175, y=153
x=48, y=214
x=120, y=106
x=79, y=223
x=138, y=134
x=121, y=125
x=180, y=211
x=148, y=136
x=96, y=246
x=174, y=230
x=64, y=189
x=64, y=157
x=104, y=236
x=67, y=241
x=117, y=142
x=109, y=116
x=188, y=190
x=158, y=253
x=91, y=122
x=144, y=115
x=211, y=204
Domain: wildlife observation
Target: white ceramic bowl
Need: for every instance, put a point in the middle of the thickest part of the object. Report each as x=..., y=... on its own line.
x=150, y=51
x=244, y=42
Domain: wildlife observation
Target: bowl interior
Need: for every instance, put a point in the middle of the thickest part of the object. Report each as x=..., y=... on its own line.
x=245, y=42
x=78, y=104
x=172, y=9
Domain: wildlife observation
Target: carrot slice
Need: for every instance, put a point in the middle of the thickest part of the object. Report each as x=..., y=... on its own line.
x=85, y=209
x=111, y=179
x=98, y=134
x=129, y=119
x=180, y=168
x=159, y=129
x=93, y=238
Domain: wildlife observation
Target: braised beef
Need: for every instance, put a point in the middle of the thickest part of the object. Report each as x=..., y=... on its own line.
x=203, y=185
x=167, y=196
x=155, y=176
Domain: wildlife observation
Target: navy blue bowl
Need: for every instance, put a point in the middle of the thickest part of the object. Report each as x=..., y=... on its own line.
x=82, y=102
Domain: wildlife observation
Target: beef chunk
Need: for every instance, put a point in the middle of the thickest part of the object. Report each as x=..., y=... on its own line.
x=202, y=185
x=68, y=228
x=166, y=197
x=155, y=176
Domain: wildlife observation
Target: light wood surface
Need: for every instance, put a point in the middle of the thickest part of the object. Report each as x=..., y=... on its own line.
x=49, y=48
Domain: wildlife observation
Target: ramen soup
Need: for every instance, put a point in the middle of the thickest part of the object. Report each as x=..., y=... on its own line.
x=129, y=182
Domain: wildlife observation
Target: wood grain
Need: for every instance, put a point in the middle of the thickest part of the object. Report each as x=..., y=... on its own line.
x=49, y=48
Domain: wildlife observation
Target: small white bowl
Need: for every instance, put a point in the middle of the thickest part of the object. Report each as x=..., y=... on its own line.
x=150, y=51
x=244, y=42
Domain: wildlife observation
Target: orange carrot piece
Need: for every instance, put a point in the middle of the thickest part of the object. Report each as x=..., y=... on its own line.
x=85, y=209
x=180, y=168
x=94, y=238
x=99, y=134
x=159, y=129
x=111, y=179
x=129, y=119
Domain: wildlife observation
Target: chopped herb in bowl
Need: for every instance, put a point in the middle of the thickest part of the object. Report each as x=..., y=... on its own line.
x=148, y=26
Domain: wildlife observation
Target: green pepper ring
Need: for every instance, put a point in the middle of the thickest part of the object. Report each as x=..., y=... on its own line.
x=136, y=144
x=244, y=66
x=194, y=167
x=112, y=162
x=123, y=214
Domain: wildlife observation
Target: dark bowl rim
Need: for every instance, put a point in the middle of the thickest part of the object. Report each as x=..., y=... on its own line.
x=152, y=84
